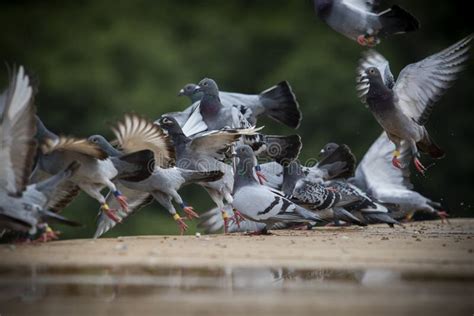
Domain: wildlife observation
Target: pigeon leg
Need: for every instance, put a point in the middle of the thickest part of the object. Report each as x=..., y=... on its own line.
x=238, y=218
x=181, y=224
x=225, y=217
x=189, y=210
x=48, y=234
x=419, y=166
x=444, y=216
x=361, y=40
x=121, y=199
x=260, y=175
x=395, y=160
x=111, y=213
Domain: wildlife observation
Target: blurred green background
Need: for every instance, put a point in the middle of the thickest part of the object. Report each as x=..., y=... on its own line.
x=96, y=60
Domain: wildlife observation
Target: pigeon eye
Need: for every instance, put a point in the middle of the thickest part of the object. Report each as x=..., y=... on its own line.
x=205, y=84
x=372, y=71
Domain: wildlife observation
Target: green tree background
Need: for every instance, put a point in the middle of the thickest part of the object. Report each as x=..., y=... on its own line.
x=96, y=60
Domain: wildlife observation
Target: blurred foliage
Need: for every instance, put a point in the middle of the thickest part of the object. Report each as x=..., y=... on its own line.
x=96, y=60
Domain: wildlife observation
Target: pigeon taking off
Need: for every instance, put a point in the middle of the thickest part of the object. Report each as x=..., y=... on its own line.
x=278, y=103
x=259, y=203
x=362, y=20
x=403, y=108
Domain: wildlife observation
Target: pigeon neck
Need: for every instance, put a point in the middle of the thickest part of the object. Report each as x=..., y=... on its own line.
x=196, y=97
x=323, y=7
x=378, y=90
x=291, y=174
x=110, y=150
x=179, y=141
x=245, y=173
x=210, y=105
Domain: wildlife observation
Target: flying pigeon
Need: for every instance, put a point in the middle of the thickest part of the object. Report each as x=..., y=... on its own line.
x=137, y=133
x=23, y=207
x=363, y=21
x=97, y=169
x=259, y=203
x=403, y=108
x=391, y=186
x=206, y=152
x=278, y=103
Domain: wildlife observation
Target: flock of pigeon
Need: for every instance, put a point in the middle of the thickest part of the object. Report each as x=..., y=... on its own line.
x=255, y=180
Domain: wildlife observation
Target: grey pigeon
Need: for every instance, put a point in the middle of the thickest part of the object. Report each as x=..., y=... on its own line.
x=22, y=207
x=363, y=21
x=278, y=103
x=137, y=133
x=259, y=203
x=97, y=169
x=403, y=108
x=391, y=186
x=206, y=152
x=210, y=114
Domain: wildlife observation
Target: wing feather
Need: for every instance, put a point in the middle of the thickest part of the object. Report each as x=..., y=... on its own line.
x=81, y=146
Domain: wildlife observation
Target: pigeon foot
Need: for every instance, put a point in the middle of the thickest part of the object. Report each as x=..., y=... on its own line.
x=238, y=218
x=419, y=166
x=225, y=217
x=190, y=212
x=122, y=200
x=444, y=216
x=111, y=213
x=181, y=224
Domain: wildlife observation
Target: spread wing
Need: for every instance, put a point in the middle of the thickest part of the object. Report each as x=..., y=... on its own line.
x=371, y=58
x=421, y=84
x=17, y=130
x=216, y=143
x=81, y=146
x=363, y=5
x=135, y=133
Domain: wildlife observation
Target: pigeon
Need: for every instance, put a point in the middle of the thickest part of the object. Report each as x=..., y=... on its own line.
x=403, y=108
x=363, y=21
x=23, y=207
x=137, y=133
x=278, y=103
x=391, y=186
x=211, y=114
x=259, y=203
x=97, y=170
x=206, y=152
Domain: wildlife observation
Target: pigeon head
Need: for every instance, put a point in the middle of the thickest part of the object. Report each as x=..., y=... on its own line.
x=188, y=90
x=104, y=144
x=170, y=125
x=328, y=150
x=373, y=74
x=246, y=158
x=208, y=87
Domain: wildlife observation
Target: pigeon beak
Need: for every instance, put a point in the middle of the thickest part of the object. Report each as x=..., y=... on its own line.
x=181, y=93
x=197, y=89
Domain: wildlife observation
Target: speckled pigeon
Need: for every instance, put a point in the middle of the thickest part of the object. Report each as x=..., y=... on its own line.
x=403, y=108
x=363, y=21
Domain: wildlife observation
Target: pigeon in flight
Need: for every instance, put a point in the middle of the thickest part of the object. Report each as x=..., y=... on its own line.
x=403, y=107
x=259, y=203
x=363, y=21
x=23, y=207
x=391, y=186
x=135, y=133
x=97, y=170
x=278, y=103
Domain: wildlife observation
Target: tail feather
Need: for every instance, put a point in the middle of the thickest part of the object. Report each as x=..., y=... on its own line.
x=136, y=166
x=396, y=21
x=342, y=214
x=283, y=149
x=281, y=105
x=428, y=146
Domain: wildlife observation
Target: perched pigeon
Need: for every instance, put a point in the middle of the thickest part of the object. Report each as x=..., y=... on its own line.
x=403, y=108
x=206, y=152
x=259, y=203
x=23, y=207
x=137, y=133
x=362, y=20
x=391, y=186
x=97, y=169
x=278, y=102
